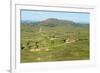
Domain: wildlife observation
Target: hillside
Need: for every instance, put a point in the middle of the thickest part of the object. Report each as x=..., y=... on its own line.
x=54, y=40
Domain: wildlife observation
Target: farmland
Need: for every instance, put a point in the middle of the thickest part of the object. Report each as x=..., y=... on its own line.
x=54, y=40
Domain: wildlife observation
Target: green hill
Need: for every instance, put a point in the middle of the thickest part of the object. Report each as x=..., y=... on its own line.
x=54, y=40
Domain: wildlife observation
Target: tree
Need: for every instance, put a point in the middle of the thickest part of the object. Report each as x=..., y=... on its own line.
x=64, y=40
x=37, y=44
x=22, y=46
x=29, y=44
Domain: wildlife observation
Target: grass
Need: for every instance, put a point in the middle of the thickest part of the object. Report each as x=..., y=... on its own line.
x=58, y=49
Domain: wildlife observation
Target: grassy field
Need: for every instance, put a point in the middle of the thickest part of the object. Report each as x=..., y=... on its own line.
x=56, y=41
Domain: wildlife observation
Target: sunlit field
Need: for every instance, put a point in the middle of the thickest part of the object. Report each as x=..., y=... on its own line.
x=54, y=40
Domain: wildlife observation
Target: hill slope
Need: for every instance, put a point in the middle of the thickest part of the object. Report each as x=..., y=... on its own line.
x=54, y=40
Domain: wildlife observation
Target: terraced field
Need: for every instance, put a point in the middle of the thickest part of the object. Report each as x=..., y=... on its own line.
x=54, y=40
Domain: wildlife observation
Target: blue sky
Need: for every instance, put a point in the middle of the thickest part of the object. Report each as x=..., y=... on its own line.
x=29, y=15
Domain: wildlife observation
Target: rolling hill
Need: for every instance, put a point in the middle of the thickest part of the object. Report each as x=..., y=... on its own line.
x=54, y=40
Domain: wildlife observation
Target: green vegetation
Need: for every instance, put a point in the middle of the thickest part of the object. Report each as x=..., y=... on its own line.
x=54, y=40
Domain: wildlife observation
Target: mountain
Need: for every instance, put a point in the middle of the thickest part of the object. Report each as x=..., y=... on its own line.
x=52, y=22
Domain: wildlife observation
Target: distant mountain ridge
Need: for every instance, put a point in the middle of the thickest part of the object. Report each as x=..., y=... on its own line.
x=52, y=22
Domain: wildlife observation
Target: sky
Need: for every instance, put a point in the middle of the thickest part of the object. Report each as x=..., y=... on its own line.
x=29, y=15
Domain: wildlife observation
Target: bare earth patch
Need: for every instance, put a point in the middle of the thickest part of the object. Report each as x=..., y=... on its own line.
x=39, y=49
x=71, y=41
x=38, y=58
